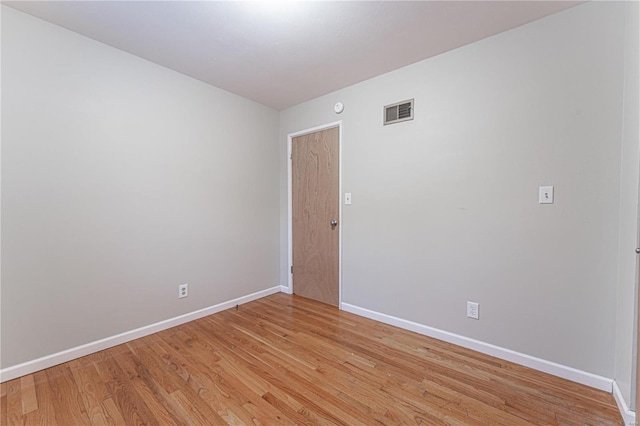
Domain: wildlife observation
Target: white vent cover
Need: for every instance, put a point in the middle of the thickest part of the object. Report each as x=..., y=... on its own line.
x=401, y=111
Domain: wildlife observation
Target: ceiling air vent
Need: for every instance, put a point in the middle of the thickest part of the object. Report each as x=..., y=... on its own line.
x=401, y=111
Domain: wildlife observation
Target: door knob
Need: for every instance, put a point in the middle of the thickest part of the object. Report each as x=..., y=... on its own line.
x=334, y=223
x=638, y=250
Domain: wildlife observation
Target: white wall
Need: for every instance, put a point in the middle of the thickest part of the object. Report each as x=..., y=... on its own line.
x=445, y=207
x=121, y=180
x=627, y=258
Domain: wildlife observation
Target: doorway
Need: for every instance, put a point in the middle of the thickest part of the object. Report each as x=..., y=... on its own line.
x=314, y=214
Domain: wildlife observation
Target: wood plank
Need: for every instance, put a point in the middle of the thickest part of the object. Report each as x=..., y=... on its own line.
x=148, y=389
x=13, y=402
x=199, y=388
x=65, y=396
x=115, y=417
x=248, y=384
x=271, y=366
x=3, y=404
x=93, y=390
x=28, y=394
x=130, y=405
x=45, y=414
x=288, y=360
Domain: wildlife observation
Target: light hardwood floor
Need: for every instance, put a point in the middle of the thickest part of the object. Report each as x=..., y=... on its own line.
x=289, y=360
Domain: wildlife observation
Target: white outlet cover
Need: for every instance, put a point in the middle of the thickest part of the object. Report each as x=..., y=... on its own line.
x=473, y=310
x=183, y=291
x=545, y=195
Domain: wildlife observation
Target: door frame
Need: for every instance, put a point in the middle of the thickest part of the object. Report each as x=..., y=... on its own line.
x=290, y=137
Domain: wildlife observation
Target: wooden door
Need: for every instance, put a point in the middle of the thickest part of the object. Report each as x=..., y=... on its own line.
x=315, y=202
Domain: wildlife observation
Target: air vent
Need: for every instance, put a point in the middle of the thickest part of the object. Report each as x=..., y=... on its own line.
x=401, y=111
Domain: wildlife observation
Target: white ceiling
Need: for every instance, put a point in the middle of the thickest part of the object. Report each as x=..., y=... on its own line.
x=281, y=53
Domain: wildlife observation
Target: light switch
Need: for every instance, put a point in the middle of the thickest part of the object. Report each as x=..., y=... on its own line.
x=546, y=195
x=347, y=198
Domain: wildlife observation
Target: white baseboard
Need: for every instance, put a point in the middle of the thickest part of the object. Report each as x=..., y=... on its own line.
x=285, y=289
x=29, y=367
x=628, y=416
x=559, y=370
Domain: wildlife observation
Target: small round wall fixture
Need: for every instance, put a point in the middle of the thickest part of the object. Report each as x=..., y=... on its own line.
x=338, y=107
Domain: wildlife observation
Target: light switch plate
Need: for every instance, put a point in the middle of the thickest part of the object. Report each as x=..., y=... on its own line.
x=545, y=196
x=347, y=198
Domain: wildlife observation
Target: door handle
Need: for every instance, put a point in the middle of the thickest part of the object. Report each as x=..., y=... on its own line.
x=638, y=250
x=334, y=223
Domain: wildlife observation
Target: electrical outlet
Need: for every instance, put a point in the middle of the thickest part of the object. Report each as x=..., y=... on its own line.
x=545, y=195
x=473, y=310
x=183, y=291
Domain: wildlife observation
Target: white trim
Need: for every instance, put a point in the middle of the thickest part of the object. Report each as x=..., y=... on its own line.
x=289, y=216
x=559, y=370
x=340, y=217
x=285, y=289
x=29, y=367
x=290, y=136
x=628, y=416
